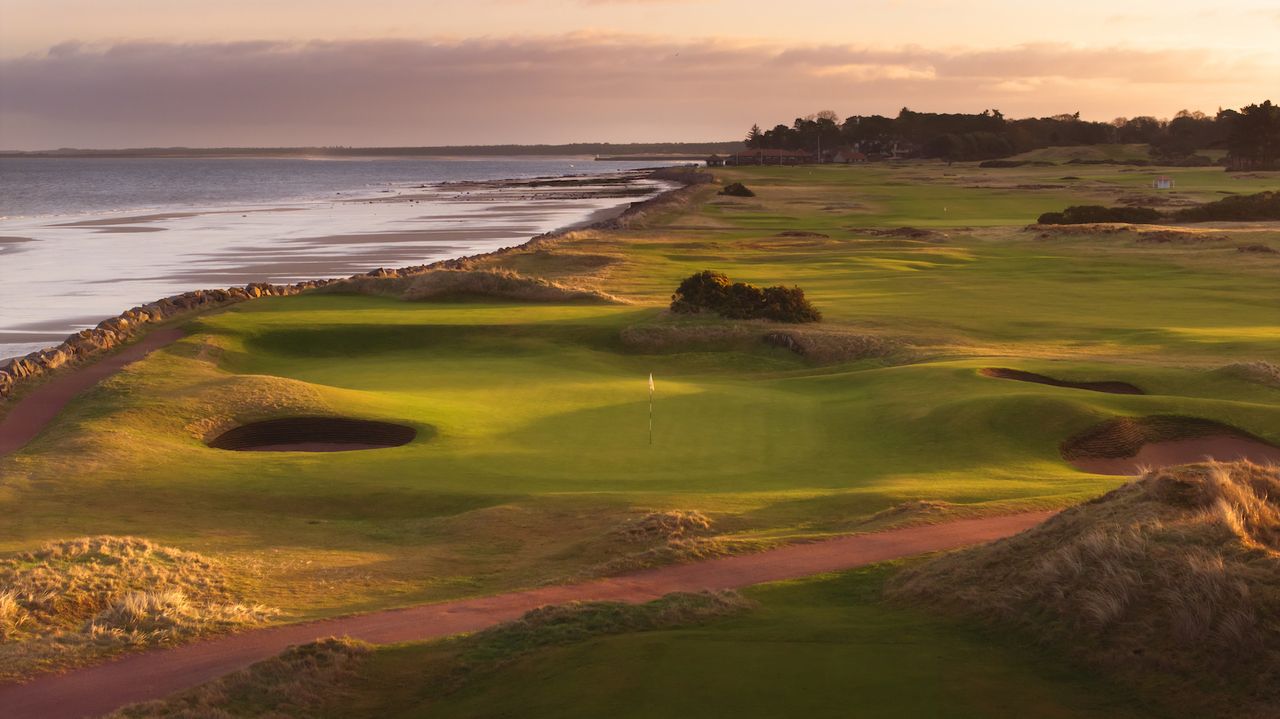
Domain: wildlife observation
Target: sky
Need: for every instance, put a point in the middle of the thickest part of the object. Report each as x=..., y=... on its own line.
x=147, y=73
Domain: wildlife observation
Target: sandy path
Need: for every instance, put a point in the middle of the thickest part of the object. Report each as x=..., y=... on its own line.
x=37, y=408
x=154, y=674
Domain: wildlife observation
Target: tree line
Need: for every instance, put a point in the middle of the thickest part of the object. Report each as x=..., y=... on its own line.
x=1251, y=135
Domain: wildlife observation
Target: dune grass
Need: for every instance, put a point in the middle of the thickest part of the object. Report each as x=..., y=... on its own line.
x=538, y=455
x=71, y=601
x=1171, y=583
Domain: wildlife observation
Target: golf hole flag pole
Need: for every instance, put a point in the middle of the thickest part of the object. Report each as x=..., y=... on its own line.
x=651, y=408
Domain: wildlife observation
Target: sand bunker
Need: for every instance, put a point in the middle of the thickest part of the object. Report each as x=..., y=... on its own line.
x=1111, y=387
x=1125, y=445
x=314, y=434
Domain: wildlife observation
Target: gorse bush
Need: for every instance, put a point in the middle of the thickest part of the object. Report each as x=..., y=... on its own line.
x=737, y=189
x=714, y=292
x=1261, y=206
x=1088, y=214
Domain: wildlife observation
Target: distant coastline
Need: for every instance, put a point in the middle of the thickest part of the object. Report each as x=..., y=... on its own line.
x=602, y=150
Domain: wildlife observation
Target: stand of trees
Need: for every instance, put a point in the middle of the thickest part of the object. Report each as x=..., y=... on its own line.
x=1251, y=135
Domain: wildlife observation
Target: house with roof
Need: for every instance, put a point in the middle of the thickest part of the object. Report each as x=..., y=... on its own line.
x=847, y=156
x=770, y=156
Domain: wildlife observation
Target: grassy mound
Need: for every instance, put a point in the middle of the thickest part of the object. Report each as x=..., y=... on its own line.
x=305, y=680
x=296, y=683
x=472, y=284
x=832, y=346
x=668, y=537
x=78, y=598
x=1172, y=581
x=817, y=346
x=672, y=524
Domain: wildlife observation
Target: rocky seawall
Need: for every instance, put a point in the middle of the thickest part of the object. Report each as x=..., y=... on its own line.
x=121, y=329
x=86, y=345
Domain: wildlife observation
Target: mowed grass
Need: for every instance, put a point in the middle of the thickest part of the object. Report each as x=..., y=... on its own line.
x=533, y=418
x=821, y=647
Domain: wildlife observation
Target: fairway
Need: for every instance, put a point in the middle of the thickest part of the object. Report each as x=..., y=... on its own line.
x=526, y=456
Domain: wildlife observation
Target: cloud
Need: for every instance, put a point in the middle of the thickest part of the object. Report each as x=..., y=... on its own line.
x=583, y=86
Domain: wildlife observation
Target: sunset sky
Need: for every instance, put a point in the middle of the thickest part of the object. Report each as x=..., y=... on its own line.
x=127, y=73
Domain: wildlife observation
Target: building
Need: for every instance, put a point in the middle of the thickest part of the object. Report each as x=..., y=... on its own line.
x=1163, y=183
x=846, y=156
x=770, y=156
x=715, y=161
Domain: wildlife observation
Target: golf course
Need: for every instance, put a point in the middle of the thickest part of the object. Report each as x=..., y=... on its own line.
x=969, y=363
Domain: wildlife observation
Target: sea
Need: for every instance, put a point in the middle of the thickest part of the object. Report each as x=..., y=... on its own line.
x=83, y=239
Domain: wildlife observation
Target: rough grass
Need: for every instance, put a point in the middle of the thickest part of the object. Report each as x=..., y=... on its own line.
x=297, y=683
x=1172, y=582
x=668, y=537
x=833, y=346
x=817, y=346
x=305, y=680
x=472, y=284
x=668, y=525
x=72, y=600
x=578, y=621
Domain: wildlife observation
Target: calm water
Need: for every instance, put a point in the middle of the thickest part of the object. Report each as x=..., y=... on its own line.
x=84, y=239
x=72, y=186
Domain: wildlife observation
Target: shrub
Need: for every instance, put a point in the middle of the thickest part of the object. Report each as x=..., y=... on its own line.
x=713, y=292
x=1088, y=214
x=737, y=189
x=1262, y=206
x=705, y=290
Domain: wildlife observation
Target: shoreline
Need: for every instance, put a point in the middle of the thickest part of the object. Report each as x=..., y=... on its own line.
x=125, y=258
x=86, y=345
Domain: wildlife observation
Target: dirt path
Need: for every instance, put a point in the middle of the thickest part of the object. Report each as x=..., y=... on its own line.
x=36, y=409
x=154, y=674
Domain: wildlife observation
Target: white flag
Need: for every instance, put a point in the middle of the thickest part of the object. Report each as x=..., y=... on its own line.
x=650, y=381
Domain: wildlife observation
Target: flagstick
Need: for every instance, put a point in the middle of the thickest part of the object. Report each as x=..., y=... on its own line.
x=650, y=415
x=650, y=409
